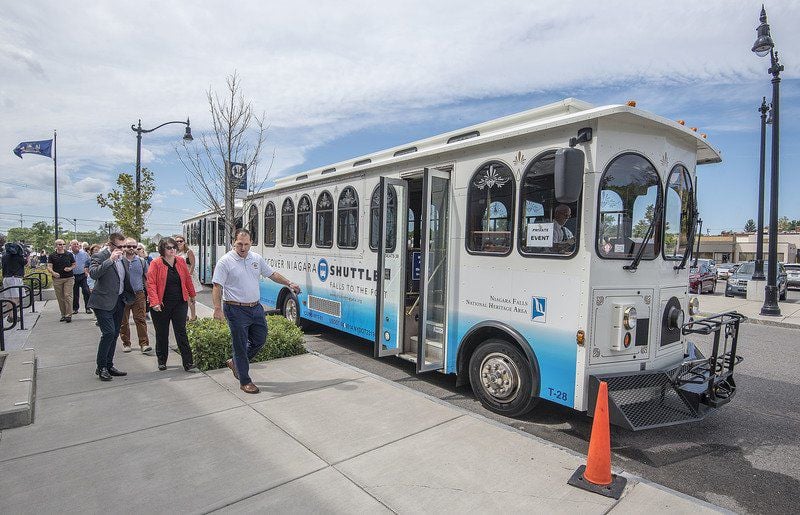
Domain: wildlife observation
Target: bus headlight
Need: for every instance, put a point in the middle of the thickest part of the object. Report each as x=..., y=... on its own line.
x=629, y=318
x=694, y=306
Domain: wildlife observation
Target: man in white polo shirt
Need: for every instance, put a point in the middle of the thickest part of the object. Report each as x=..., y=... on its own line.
x=236, y=283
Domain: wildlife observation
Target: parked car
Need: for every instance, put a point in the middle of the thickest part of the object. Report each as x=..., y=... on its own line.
x=710, y=263
x=724, y=270
x=702, y=278
x=737, y=283
x=792, y=275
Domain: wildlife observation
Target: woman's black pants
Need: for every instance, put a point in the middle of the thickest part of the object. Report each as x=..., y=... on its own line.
x=174, y=312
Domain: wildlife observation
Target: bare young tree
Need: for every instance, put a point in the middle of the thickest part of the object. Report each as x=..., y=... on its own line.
x=237, y=136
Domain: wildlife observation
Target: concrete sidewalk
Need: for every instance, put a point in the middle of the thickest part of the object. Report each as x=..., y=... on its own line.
x=790, y=311
x=322, y=437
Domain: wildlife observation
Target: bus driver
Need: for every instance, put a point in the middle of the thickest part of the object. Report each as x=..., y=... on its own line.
x=561, y=234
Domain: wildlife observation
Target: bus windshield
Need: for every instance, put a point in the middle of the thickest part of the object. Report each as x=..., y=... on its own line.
x=630, y=193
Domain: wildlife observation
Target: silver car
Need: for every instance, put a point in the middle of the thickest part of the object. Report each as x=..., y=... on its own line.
x=792, y=274
x=737, y=283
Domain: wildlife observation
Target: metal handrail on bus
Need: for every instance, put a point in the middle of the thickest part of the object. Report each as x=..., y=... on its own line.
x=411, y=309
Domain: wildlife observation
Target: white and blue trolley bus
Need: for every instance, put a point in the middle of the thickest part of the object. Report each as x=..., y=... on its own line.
x=532, y=256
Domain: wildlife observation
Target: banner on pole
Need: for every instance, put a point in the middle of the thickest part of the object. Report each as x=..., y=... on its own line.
x=238, y=180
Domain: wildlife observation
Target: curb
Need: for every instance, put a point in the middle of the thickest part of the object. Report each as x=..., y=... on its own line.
x=758, y=321
x=17, y=388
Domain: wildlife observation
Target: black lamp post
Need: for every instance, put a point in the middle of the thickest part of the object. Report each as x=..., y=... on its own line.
x=763, y=46
x=139, y=131
x=758, y=273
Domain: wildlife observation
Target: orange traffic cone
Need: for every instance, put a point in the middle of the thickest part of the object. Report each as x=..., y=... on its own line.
x=596, y=475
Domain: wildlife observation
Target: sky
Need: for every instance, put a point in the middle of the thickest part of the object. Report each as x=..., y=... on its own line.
x=336, y=80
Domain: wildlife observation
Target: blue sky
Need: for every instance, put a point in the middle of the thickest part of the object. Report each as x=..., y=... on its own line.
x=338, y=81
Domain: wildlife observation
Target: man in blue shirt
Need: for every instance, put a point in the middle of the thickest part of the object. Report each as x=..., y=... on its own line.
x=136, y=270
x=80, y=273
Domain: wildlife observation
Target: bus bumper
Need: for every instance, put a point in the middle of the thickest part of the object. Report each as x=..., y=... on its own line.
x=685, y=393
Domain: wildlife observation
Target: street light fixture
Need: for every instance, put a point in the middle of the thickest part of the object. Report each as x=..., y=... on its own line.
x=187, y=136
x=763, y=46
x=758, y=273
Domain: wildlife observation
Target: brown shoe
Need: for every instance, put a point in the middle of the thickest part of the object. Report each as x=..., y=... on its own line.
x=250, y=388
x=233, y=369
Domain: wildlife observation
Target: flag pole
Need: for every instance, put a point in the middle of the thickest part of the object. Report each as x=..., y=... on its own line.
x=55, y=180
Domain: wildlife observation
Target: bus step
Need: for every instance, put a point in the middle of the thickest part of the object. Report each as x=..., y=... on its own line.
x=644, y=400
x=433, y=349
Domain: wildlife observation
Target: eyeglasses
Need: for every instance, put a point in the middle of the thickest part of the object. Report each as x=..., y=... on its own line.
x=127, y=246
x=169, y=247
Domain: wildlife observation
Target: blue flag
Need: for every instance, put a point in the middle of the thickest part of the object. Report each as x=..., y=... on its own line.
x=34, y=147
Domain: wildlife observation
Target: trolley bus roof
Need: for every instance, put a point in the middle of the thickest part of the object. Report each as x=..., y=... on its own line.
x=565, y=112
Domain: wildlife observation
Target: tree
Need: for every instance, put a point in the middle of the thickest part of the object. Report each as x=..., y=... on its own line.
x=750, y=226
x=237, y=136
x=783, y=224
x=641, y=227
x=122, y=202
x=39, y=235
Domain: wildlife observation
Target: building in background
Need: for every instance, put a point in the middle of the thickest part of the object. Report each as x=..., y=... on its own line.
x=735, y=248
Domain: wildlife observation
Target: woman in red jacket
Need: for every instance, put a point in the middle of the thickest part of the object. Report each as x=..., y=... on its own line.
x=169, y=288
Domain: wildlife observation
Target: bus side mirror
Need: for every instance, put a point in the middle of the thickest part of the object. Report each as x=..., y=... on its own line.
x=568, y=175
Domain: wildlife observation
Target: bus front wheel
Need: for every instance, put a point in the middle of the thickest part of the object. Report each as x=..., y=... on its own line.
x=502, y=378
x=291, y=310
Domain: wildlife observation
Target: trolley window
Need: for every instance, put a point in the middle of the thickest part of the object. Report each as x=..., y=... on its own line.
x=374, y=219
x=252, y=223
x=630, y=197
x=287, y=223
x=677, y=213
x=304, y=221
x=269, y=225
x=490, y=209
x=324, y=220
x=347, y=230
x=546, y=227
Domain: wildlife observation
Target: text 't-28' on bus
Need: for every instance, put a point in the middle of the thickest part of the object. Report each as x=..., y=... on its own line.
x=533, y=256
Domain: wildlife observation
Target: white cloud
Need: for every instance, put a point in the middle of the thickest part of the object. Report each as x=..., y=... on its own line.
x=321, y=70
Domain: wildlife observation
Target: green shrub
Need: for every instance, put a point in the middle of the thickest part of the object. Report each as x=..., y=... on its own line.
x=210, y=341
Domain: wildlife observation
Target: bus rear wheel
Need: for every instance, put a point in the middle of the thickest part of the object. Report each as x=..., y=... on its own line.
x=291, y=310
x=502, y=378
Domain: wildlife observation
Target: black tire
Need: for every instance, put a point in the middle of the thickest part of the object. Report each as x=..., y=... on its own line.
x=291, y=309
x=512, y=369
x=728, y=294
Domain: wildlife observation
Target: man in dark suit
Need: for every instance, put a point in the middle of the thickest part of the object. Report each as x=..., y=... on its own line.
x=112, y=289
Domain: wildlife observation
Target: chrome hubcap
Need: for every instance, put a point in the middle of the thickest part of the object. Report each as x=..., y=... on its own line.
x=500, y=377
x=290, y=310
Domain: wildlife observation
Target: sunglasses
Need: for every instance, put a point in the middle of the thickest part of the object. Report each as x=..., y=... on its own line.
x=60, y=244
x=127, y=246
x=178, y=241
x=169, y=247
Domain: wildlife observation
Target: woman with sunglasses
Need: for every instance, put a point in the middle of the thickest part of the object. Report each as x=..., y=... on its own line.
x=169, y=289
x=187, y=254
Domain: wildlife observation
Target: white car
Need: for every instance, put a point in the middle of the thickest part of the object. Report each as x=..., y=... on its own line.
x=724, y=270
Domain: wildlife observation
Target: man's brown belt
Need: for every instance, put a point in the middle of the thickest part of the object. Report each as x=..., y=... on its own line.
x=246, y=304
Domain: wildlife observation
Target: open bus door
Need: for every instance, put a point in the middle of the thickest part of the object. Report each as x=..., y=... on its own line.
x=391, y=292
x=433, y=272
